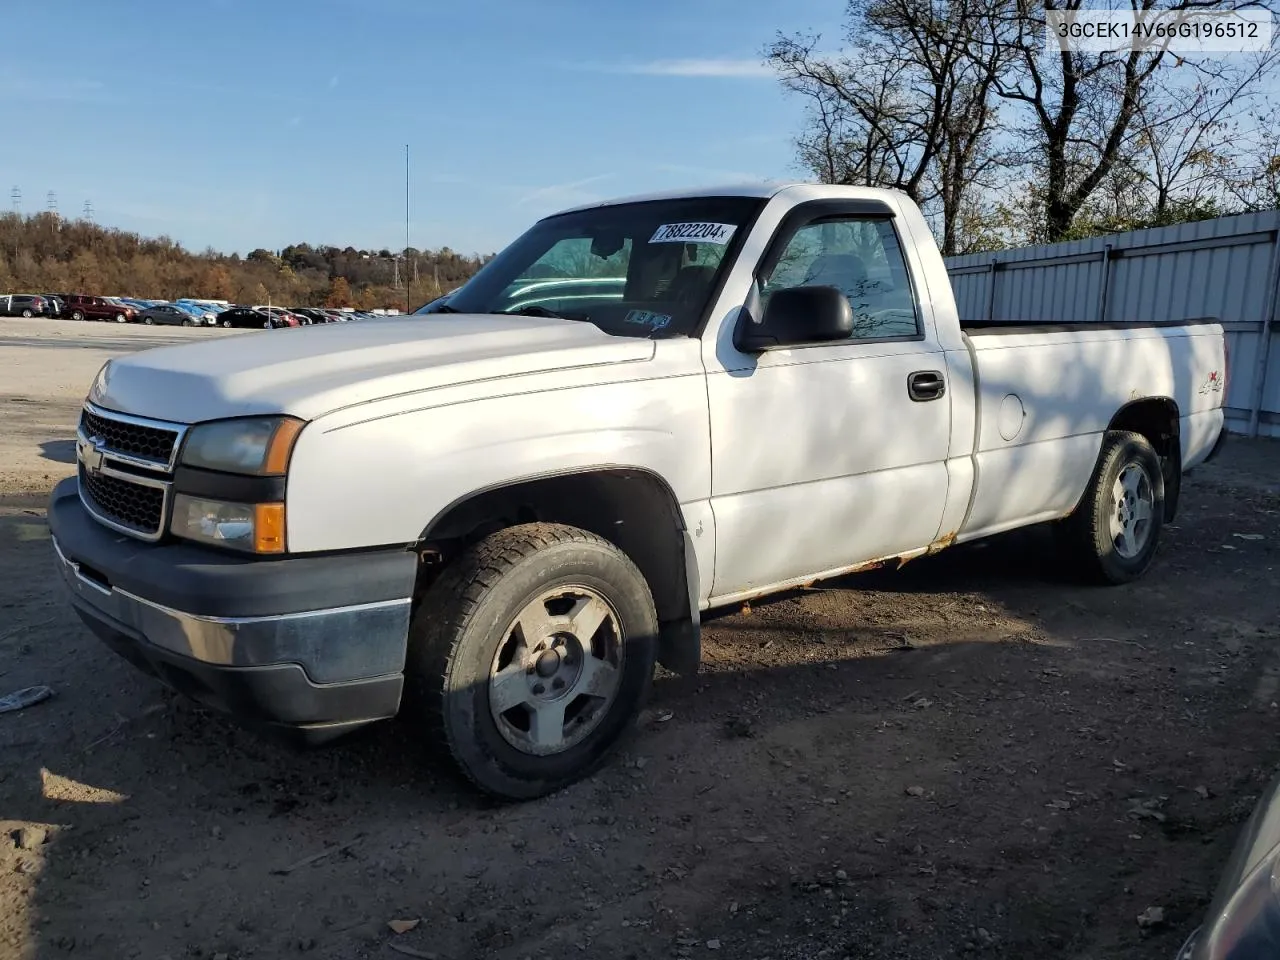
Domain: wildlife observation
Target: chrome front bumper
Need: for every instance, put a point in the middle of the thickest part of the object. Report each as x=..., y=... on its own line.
x=316, y=644
x=245, y=641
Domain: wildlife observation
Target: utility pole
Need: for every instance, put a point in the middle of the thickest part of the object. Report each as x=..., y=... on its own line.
x=407, y=307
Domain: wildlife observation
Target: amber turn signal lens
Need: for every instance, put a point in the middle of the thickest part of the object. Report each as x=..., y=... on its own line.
x=268, y=528
x=281, y=446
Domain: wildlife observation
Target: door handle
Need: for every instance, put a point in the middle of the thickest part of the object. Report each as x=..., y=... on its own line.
x=924, y=385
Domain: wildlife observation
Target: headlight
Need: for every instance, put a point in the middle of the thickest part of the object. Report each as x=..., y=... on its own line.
x=254, y=445
x=253, y=527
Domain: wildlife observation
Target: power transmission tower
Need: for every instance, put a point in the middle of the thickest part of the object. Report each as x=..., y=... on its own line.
x=88, y=210
x=16, y=196
x=52, y=203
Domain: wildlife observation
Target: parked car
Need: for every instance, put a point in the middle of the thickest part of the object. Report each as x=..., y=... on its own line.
x=169, y=314
x=200, y=312
x=1243, y=920
x=81, y=307
x=280, y=317
x=785, y=394
x=245, y=317
x=313, y=314
x=23, y=305
x=53, y=304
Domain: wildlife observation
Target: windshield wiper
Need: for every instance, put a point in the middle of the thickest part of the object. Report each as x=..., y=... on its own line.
x=532, y=312
x=445, y=308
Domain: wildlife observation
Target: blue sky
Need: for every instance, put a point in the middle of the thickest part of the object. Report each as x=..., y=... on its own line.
x=239, y=123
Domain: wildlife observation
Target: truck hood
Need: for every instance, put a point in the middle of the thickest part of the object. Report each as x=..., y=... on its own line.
x=313, y=370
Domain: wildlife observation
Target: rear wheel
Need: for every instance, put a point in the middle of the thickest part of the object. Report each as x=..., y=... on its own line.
x=1113, y=534
x=77, y=315
x=530, y=657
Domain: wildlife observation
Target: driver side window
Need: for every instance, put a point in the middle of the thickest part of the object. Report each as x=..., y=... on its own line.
x=861, y=258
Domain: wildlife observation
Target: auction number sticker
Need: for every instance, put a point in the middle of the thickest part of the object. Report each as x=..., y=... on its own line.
x=693, y=233
x=654, y=321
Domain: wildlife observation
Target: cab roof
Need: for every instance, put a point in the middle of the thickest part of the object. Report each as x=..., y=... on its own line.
x=764, y=190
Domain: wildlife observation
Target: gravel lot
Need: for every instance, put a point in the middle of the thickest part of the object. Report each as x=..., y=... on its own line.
x=969, y=757
x=47, y=366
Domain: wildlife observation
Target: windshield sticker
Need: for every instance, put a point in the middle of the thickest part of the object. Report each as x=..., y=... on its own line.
x=693, y=232
x=654, y=321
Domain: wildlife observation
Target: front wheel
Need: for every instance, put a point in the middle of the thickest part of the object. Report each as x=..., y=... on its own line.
x=530, y=657
x=1112, y=535
x=148, y=321
x=226, y=323
x=185, y=323
x=121, y=318
x=27, y=314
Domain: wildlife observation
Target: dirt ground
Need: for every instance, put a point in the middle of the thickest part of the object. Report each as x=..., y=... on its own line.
x=969, y=757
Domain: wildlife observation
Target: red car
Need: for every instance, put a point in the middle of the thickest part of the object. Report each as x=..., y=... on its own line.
x=81, y=307
x=280, y=317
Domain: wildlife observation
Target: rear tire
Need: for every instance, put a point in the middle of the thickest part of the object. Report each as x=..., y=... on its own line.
x=77, y=315
x=1114, y=532
x=553, y=620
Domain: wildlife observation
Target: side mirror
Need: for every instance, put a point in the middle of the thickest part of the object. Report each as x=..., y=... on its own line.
x=796, y=316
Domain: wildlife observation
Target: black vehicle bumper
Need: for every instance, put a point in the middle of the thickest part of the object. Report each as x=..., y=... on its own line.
x=311, y=646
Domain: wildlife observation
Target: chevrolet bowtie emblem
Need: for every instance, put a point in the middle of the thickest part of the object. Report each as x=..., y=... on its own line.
x=90, y=452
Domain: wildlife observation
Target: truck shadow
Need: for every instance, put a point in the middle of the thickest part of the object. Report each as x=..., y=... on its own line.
x=59, y=451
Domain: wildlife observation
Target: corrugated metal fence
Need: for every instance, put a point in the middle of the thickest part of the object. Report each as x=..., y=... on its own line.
x=1228, y=268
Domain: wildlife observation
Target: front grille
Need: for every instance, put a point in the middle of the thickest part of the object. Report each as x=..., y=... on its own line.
x=129, y=504
x=130, y=439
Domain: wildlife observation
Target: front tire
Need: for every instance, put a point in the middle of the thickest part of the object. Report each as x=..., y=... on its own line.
x=27, y=314
x=121, y=318
x=1114, y=532
x=530, y=657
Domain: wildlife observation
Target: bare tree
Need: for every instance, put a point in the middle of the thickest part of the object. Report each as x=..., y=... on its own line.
x=1255, y=182
x=911, y=106
x=1086, y=113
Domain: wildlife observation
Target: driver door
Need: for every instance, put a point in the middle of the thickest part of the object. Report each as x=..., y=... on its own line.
x=825, y=455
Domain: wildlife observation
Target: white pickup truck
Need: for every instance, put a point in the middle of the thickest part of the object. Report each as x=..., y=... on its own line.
x=494, y=516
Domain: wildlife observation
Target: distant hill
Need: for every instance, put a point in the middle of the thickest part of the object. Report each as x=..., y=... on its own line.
x=43, y=253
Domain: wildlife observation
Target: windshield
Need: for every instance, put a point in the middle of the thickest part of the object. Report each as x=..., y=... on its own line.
x=644, y=269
